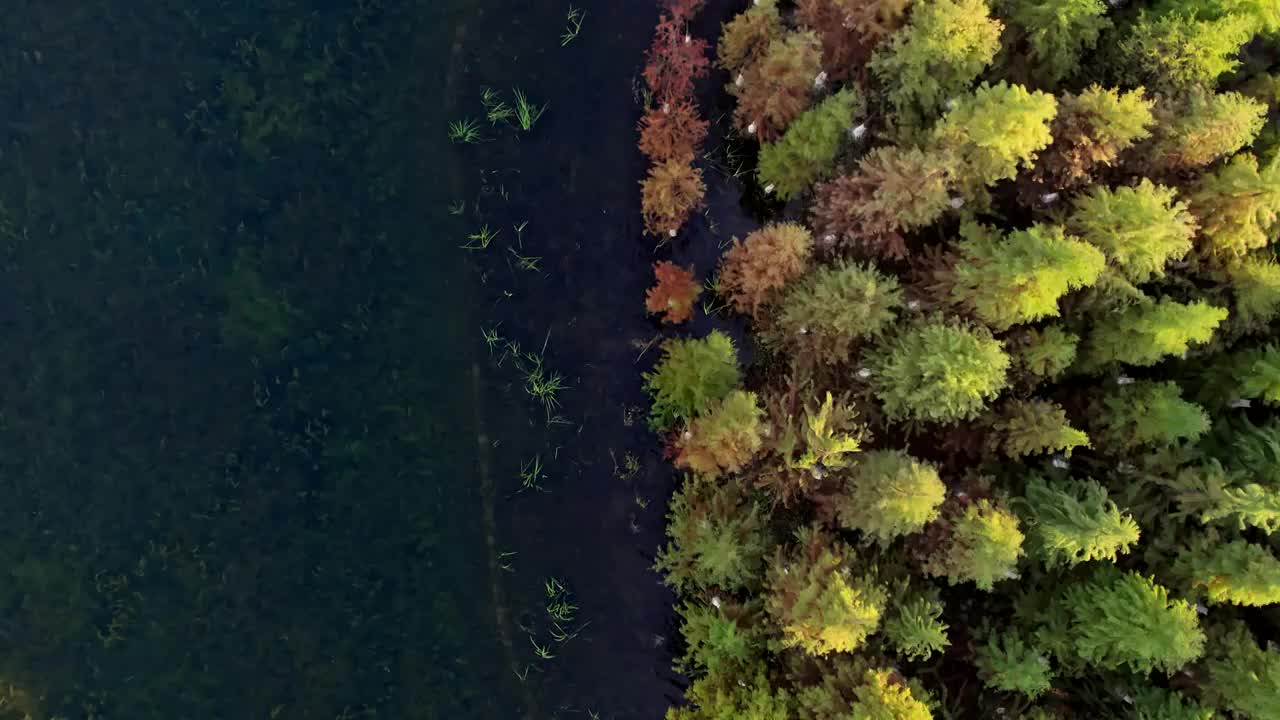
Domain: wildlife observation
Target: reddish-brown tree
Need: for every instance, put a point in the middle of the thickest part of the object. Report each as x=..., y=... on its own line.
x=779, y=86
x=674, y=293
x=850, y=29
x=672, y=132
x=676, y=60
x=683, y=10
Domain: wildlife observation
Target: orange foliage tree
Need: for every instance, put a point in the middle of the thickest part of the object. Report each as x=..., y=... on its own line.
x=753, y=271
x=672, y=132
x=672, y=190
x=674, y=293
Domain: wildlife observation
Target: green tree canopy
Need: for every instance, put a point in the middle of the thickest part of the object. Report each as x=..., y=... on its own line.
x=1175, y=52
x=1126, y=620
x=691, y=375
x=820, y=605
x=1057, y=32
x=1007, y=662
x=1140, y=228
x=1146, y=412
x=1235, y=572
x=1242, y=676
x=717, y=539
x=1206, y=127
x=995, y=130
x=807, y=151
x=1145, y=333
x=935, y=57
x=1030, y=427
x=1238, y=205
x=1074, y=521
x=984, y=547
x=887, y=494
x=831, y=309
x=916, y=628
x=938, y=371
x=1020, y=278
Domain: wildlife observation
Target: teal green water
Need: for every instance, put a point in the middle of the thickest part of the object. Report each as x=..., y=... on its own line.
x=258, y=460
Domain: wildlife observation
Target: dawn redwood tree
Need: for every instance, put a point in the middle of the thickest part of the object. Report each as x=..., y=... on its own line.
x=828, y=312
x=937, y=371
x=1255, y=280
x=983, y=548
x=746, y=37
x=1020, y=278
x=674, y=292
x=994, y=131
x=676, y=60
x=1033, y=427
x=1074, y=521
x=724, y=438
x=1140, y=228
x=887, y=494
x=1124, y=620
x=1143, y=413
x=807, y=151
x=1238, y=205
x=850, y=29
x=916, y=628
x=1090, y=131
x=1145, y=333
x=1007, y=662
x=717, y=539
x=692, y=374
x=1241, y=674
x=1236, y=572
x=942, y=49
x=1175, y=52
x=893, y=190
x=1204, y=127
x=1212, y=493
x=822, y=606
x=1057, y=33
x=779, y=86
x=755, y=271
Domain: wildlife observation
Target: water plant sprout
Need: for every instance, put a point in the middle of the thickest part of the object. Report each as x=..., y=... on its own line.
x=465, y=131
x=574, y=20
x=496, y=109
x=525, y=262
x=526, y=112
x=481, y=239
x=531, y=475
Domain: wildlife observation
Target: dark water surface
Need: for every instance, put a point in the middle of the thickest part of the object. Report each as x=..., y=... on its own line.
x=259, y=460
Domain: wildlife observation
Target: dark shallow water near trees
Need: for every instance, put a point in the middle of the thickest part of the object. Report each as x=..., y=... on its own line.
x=259, y=459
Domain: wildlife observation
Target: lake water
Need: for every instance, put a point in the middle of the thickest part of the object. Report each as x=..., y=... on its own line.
x=262, y=432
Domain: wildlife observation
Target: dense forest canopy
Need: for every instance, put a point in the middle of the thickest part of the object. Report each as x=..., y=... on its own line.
x=1007, y=447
